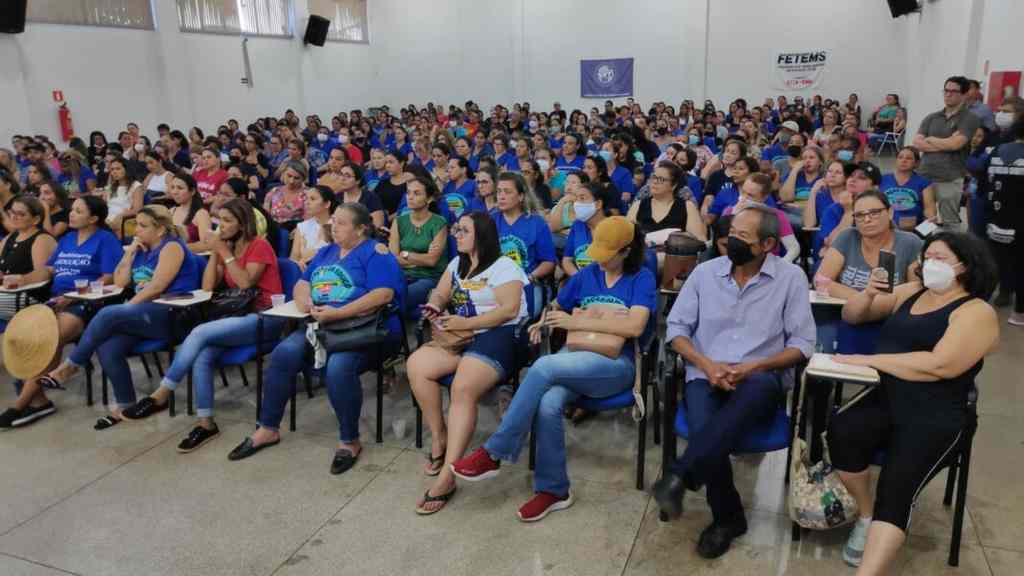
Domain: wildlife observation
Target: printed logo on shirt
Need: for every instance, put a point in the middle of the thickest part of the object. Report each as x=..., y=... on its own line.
x=461, y=301
x=331, y=284
x=601, y=299
x=902, y=199
x=456, y=204
x=141, y=276
x=803, y=193
x=580, y=256
x=515, y=249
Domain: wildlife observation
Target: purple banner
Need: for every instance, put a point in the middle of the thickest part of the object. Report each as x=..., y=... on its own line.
x=609, y=78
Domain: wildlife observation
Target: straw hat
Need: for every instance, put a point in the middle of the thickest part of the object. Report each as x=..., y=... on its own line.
x=30, y=341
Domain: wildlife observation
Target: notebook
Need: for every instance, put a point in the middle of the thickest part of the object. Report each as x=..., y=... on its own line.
x=824, y=366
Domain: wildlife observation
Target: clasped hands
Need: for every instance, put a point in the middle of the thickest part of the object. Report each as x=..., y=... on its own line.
x=727, y=376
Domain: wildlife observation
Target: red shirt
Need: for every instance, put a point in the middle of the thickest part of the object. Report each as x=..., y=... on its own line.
x=209, y=184
x=354, y=154
x=259, y=251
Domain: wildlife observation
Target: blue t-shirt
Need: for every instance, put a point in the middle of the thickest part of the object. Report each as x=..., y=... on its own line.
x=907, y=199
x=335, y=281
x=577, y=242
x=84, y=174
x=728, y=196
x=527, y=241
x=565, y=166
x=828, y=222
x=505, y=159
x=145, y=262
x=371, y=178
x=623, y=180
x=588, y=287
x=774, y=153
x=822, y=201
x=71, y=261
x=802, y=187
x=459, y=199
x=696, y=186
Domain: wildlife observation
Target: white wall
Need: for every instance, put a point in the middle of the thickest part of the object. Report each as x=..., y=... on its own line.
x=494, y=51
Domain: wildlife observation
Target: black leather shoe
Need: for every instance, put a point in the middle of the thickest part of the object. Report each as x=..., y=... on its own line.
x=716, y=538
x=343, y=461
x=197, y=437
x=247, y=448
x=668, y=493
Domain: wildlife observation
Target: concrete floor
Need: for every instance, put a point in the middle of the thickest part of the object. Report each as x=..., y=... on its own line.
x=123, y=501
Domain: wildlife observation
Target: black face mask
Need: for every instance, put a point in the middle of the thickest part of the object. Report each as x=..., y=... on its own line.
x=739, y=251
x=794, y=151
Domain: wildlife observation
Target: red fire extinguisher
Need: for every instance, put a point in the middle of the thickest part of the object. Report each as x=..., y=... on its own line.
x=67, y=131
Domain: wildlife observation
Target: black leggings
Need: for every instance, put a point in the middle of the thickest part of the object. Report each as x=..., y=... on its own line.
x=1011, y=270
x=916, y=449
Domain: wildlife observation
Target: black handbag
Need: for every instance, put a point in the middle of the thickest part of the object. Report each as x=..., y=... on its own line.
x=354, y=333
x=232, y=302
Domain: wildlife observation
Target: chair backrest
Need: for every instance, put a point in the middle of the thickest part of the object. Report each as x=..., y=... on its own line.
x=290, y=274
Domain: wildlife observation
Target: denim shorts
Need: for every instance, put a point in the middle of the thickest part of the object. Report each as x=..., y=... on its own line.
x=81, y=310
x=496, y=348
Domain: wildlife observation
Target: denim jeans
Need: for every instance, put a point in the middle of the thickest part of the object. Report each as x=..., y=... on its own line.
x=206, y=344
x=550, y=384
x=418, y=292
x=341, y=376
x=112, y=334
x=718, y=421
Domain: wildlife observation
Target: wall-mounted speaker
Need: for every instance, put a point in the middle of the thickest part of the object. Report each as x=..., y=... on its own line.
x=316, y=30
x=903, y=7
x=12, y=17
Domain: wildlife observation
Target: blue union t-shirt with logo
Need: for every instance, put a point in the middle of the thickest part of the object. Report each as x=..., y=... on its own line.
x=907, y=199
x=577, y=243
x=527, y=241
x=459, y=198
x=335, y=281
x=144, y=266
x=588, y=287
x=71, y=261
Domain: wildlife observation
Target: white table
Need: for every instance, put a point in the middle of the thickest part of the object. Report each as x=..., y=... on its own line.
x=286, y=310
x=825, y=300
x=198, y=297
x=109, y=291
x=825, y=367
x=25, y=287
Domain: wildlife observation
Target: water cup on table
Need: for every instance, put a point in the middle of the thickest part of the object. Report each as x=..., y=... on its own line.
x=12, y=281
x=82, y=285
x=276, y=300
x=96, y=287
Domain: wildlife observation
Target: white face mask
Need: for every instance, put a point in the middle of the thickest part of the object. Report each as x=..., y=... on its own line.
x=140, y=147
x=321, y=137
x=1004, y=120
x=343, y=139
x=938, y=276
x=544, y=165
x=584, y=210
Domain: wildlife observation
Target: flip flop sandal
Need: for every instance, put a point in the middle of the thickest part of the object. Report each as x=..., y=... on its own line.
x=436, y=464
x=51, y=383
x=143, y=409
x=106, y=422
x=427, y=499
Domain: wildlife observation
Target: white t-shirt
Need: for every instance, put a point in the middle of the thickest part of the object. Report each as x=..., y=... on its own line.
x=120, y=200
x=474, y=296
x=312, y=235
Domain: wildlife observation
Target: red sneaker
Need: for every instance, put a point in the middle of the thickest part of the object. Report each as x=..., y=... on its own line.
x=542, y=503
x=477, y=466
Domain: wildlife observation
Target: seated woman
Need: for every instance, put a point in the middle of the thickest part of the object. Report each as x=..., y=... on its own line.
x=663, y=210
x=481, y=291
x=124, y=196
x=839, y=216
x=89, y=252
x=287, y=202
x=536, y=181
x=847, y=266
x=486, y=199
x=756, y=190
x=911, y=195
x=156, y=262
x=352, y=276
x=24, y=253
x=158, y=179
x=597, y=171
x=75, y=176
x=561, y=217
x=589, y=210
x=191, y=220
x=239, y=259
x=351, y=189
x=313, y=233
x=209, y=175
x=801, y=178
x=235, y=187
x=729, y=193
x=825, y=192
x=934, y=339
x=391, y=188
x=884, y=116
x=524, y=235
x=717, y=172
x=36, y=174
x=419, y=241
x=460, y=190
x=56, y=206
x=618, y=276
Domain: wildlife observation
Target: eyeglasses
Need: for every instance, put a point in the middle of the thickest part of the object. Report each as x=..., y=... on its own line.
x=18, y=213
x=947, y=91
x=459, y=230
x=866, y=215
x=659, y=179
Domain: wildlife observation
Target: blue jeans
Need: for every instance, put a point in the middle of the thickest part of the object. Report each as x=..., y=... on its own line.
x=206, y=344
x=718, y=422
x=550, y=384
x=112, y=334
x=418, y=290
x=344, y=389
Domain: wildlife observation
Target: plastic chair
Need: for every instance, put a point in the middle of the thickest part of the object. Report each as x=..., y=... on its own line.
x=891, y=139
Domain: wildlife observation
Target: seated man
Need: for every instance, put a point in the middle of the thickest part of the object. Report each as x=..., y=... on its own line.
x=739, y=320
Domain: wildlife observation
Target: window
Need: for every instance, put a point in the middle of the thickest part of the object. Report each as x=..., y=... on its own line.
x=348, y=19
x=248, y=17
x=115, y=13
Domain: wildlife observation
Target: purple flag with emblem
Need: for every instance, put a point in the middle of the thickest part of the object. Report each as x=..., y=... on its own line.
x=606, y=78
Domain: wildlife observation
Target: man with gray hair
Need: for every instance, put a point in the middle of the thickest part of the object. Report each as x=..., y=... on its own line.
x=739, y=321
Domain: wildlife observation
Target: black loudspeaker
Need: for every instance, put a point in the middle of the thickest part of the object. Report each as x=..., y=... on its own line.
x=903, y=7
x=316, y=30
x=12, y=18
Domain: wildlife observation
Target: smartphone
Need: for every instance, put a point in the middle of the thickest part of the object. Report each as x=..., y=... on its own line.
x=887, y=261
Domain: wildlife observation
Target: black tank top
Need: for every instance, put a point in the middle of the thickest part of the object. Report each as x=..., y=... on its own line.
x=16, y=256
x=941, y=401
x=676, y=217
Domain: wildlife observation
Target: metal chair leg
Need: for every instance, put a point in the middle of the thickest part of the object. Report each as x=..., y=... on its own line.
x=961, y=503
x=223, y=377
x=291, y=426
x=159, y=366
x=259, y=385
x=419, y=425
x=145, y=365
x=947, y=498
x=380, y=402
x=241, y=372
x=172, y=408
x=106, y=397
x=188, y=394
x=88, y=383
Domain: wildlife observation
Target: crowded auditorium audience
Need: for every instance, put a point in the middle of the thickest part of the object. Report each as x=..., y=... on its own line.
x=491, y=228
